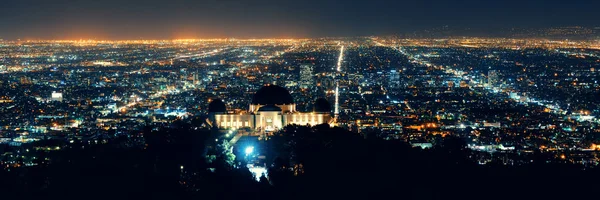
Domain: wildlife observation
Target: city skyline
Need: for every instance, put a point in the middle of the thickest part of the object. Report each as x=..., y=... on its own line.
x=267, y=99
x=116, y=20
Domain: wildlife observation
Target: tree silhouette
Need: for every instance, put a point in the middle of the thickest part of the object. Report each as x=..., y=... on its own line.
x=317, y=162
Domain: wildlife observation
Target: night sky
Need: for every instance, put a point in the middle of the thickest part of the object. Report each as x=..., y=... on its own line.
x=154, y=19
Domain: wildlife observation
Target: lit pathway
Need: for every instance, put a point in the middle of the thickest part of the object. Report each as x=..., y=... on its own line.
x=235, y=138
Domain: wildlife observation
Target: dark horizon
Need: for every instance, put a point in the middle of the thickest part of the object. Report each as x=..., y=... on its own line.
x=176, y=19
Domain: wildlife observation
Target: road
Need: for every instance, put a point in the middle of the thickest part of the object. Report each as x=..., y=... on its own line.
x=337, y=84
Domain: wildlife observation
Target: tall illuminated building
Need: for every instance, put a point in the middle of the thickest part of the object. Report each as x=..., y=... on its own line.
x=394, y=79
x=306, y=75
x=493, y=77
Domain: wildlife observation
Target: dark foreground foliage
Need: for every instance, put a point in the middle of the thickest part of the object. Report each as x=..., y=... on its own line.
x=307, y=163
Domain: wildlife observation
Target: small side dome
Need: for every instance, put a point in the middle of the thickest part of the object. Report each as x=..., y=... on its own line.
x=217, y=106
x=269, y=108
x=322, y=106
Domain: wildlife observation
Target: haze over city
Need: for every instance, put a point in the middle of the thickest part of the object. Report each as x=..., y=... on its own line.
x=178, y=19
x=267, y=99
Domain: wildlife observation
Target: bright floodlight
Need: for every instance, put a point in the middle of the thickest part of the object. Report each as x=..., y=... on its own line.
x=249, y=150
x=258, y=172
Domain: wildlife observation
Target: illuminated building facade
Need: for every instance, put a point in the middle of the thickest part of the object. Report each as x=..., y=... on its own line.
x=306, y=75
x=394, y=79
x=493, y=77
x=57, y=96
x=272, y=108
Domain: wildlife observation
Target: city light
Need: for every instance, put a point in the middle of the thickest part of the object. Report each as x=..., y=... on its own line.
x=340, y=59
x=257, y=171
x=249, y=150
x=501, y=100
